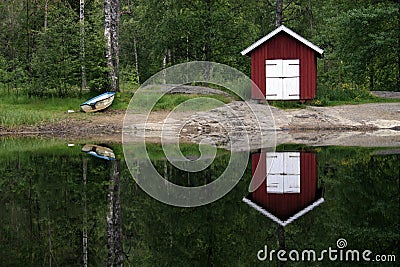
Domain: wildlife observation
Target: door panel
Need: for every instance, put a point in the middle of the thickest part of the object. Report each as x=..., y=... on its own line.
x=290, y=68
x=273, y=68
x=291, y=183
x=292, y=163
x=275, y=184
x=274, y=163
x=291, y=88
x=273, y=88
x=283, y=172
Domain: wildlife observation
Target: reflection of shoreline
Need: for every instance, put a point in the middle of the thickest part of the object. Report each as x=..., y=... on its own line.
x=379, y=138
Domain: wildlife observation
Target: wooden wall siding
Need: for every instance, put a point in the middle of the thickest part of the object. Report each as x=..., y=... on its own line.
x=284, y=206
x=283, y=46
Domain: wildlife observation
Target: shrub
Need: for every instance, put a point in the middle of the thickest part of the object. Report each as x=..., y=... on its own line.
x=343, y=92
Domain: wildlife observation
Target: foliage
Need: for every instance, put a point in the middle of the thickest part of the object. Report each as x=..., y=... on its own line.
x=361, y=45
x=345, y=92
x=55, y=64
x=360, y=39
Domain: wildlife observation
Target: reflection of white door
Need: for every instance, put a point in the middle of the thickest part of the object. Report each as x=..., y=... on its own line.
x=283, y=172
x=282, y=79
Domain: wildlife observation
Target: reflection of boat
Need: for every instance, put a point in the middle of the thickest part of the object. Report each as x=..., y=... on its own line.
x=99, y=151
x=99, y=102
x=284, y=185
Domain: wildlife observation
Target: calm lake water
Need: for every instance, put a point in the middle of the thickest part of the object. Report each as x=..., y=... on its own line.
x=55, y=202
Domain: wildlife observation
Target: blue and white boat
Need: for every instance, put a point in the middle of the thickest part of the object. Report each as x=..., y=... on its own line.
x=99, y=102
x=99, y=151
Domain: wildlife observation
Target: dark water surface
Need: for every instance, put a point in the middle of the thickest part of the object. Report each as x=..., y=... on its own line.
x=55, y=201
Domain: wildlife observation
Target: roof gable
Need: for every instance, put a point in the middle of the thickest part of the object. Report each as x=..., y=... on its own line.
x=288, y=31
x=263, y=211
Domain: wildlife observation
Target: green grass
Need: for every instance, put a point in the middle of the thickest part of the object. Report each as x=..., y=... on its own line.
x=364, y=101
x=22, y=110
x=33, y=111
x=169, y=102
x=146, y=100
x=344, y=94
x=21, y=146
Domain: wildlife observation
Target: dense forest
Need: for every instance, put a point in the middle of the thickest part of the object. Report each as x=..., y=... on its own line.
x=59, y=47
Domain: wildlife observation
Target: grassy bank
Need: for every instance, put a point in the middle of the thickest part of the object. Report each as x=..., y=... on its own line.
x=345, y=94
x=331, y=103
x=23, y=110
x=16, y=111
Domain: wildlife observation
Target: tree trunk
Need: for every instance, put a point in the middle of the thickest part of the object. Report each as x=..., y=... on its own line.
x=164, y=71
x=398, y=47
x=82, y=42
x=28, y=39
x=49, y=237
x=84, y=227
x=111, y=33
x=281, y=237
x=118, y=246
x=114, y=225
x=279, y=13
x=110, y=226
x=310, y=12
x=136, y=59
x=45, y=15
x=371, y=78
x=207, y=45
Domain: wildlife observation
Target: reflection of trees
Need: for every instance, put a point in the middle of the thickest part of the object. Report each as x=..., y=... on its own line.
x=47, y=213
x=42, y=195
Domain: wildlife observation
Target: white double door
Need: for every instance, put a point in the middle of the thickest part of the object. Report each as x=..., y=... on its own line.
x=282, y=79
x=283, y=172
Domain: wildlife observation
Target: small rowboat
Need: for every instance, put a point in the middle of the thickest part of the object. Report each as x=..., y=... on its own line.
x=99, y=102
x=99, y=151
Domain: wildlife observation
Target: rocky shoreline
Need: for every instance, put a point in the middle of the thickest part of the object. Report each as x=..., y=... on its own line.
x=238, y=125
x=241, y=125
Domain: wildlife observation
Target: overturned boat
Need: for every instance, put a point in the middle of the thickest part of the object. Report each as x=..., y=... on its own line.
x=99, y=102
x=99, y=151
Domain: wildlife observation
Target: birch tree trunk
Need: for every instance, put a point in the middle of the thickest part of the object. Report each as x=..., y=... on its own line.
x=114, y=225
x=45, y=15
x=85, y=220
x=82, y=42
x=110, y=226
x=279, y=13
x=111, y=33
x=136, y=59
x=118, y=247
x=398, y=47
x=28, y=38
x=164, y=71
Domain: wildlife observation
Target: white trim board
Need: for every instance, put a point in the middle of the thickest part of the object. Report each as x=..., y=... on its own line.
x=276, y=219
x=288, y=31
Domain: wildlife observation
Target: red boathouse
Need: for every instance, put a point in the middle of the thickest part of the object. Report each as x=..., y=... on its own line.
x=284, y=185
x=284, y=66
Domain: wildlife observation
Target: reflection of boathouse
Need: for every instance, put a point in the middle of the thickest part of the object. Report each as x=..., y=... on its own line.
x=289, y=188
